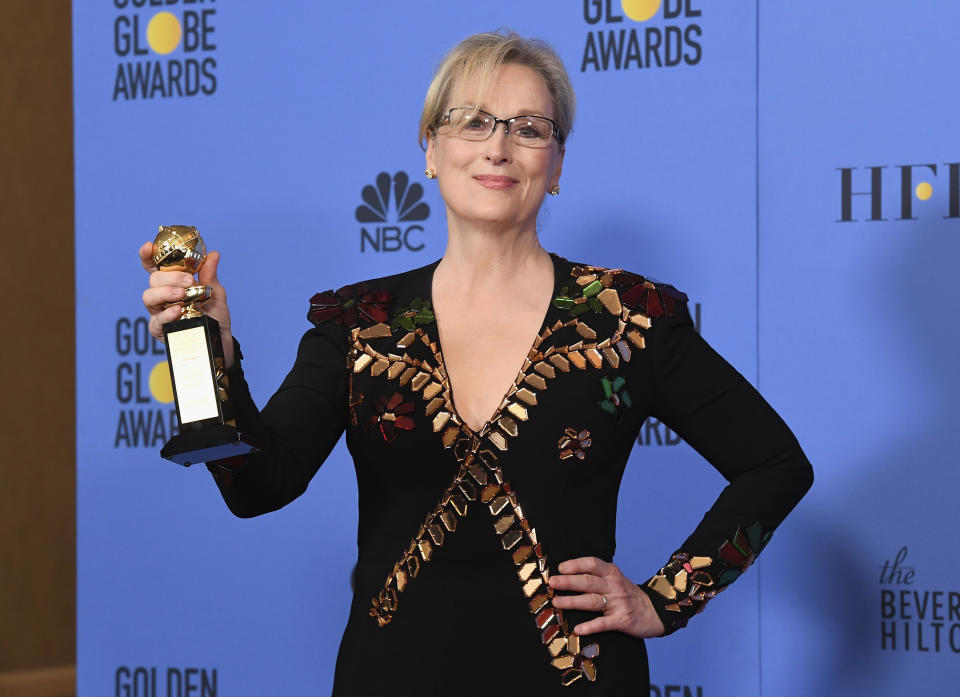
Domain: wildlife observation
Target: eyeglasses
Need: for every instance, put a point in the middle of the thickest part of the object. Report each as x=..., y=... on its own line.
x=473, y=124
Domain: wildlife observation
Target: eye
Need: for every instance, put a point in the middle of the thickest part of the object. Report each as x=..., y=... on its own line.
x=527, y=129
x=477, y=123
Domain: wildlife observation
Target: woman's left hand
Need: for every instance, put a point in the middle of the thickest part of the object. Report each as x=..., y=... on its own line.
x=603, y=588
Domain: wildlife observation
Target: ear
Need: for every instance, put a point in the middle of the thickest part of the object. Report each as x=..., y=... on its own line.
x=555, y=179
x=430, y=152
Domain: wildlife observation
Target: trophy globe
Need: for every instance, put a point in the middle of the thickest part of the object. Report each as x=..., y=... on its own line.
x=180, y=248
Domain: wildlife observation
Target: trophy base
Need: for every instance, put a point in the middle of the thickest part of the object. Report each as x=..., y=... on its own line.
x=210, y=443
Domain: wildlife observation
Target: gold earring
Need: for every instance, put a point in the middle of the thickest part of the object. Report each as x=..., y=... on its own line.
x=554, y=190
x=430, y=173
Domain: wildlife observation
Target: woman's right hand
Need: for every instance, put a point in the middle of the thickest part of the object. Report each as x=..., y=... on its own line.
x=169, y=287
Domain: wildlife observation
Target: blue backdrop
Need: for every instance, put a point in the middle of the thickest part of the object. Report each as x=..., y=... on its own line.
x=792, y=167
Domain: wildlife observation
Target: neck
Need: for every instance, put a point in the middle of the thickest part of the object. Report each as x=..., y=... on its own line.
x=479, y=257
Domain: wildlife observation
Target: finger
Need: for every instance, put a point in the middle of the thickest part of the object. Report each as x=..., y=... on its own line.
x=159, y=279
x=158, y=320
x=156, y=299
x=208, y=272
x=585, y=583
x=592, y=602
x=598, y=624
x=584, y=565
x=146, y=257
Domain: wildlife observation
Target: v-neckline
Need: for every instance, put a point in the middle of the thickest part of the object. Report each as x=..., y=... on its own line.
x=448, y=387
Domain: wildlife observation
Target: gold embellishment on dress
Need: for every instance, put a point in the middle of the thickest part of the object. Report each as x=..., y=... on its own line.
x=361, y=362
x=517, y=411
x=612, y=358
x=375, y=331
x=610, y=300
x=449, y=436
x=596, y=360
x=636, y=338
x=508, y=425
x=584, y=330
x=536, y=381
x=407, y=375
x=573, y=443
x=419, y=381
x=440, y=420
x=546, y=370
x=528, y=396
x=498, y=440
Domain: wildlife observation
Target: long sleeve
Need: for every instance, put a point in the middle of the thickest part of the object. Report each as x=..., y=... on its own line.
x=296, y=430
x=714, y=409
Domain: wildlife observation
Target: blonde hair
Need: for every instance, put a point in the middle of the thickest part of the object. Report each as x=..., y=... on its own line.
x=480, y=56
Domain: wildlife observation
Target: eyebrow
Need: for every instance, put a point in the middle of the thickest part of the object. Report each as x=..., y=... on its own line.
x=524, y=112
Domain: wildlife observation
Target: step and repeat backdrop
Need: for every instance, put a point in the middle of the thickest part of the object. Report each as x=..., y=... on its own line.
x=794, y=168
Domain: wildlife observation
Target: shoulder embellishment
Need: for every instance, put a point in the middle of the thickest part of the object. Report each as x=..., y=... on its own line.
x=352, y=305
x=596, y=288
x=418, y=312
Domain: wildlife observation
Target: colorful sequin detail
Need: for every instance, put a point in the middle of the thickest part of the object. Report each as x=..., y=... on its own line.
x=615, y=395
x=351, y=305
x=597, y=288
x=574, y=443
x=391, y=413
x=690, y=582
x=418, y=312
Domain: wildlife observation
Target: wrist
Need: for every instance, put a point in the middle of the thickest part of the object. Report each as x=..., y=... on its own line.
x=229, y=354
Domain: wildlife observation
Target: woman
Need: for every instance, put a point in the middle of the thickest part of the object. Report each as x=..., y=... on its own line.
x=487, y=495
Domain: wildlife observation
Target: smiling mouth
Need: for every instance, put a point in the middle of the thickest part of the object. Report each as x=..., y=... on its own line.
x=492, y=181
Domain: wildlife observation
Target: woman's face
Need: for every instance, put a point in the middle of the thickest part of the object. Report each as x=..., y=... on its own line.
x=497, y=181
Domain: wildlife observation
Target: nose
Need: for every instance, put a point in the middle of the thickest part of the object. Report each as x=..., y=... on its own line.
x=498, y=145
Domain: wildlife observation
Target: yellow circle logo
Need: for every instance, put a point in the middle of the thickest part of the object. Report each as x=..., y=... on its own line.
x=924, y=191
x=163, y=32
x=640, y=10
x=160, y=386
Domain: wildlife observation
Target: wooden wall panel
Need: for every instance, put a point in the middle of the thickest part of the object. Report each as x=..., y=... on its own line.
x=37, y=453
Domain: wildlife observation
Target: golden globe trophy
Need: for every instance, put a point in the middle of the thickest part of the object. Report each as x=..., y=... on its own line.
x=207, y=429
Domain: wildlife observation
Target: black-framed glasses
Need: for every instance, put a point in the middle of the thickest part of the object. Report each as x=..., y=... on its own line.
x=474, y=124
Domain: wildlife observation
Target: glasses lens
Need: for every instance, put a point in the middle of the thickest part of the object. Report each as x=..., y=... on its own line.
x=470, y=123
x=532, y=131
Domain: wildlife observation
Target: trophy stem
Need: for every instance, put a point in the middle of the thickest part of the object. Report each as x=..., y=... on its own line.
x=194, y=297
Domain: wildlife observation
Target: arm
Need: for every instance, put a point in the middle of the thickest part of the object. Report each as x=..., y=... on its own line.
x=299, y=426
x=713, y=408
x=296, y=430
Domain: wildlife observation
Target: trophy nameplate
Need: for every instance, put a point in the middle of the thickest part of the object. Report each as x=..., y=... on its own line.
x=207, y=429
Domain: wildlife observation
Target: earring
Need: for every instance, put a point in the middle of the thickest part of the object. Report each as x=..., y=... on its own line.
x=430, y=173
x=554, y=190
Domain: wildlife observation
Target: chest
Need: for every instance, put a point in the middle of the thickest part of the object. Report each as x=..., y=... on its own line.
x=483, y=350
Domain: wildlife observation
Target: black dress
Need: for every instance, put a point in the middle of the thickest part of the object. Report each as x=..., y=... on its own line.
x=459, y=530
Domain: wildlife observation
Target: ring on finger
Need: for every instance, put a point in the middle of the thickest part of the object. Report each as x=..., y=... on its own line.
x=604, y=599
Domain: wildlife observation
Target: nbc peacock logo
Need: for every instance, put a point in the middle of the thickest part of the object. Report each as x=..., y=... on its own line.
x=386, y=227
